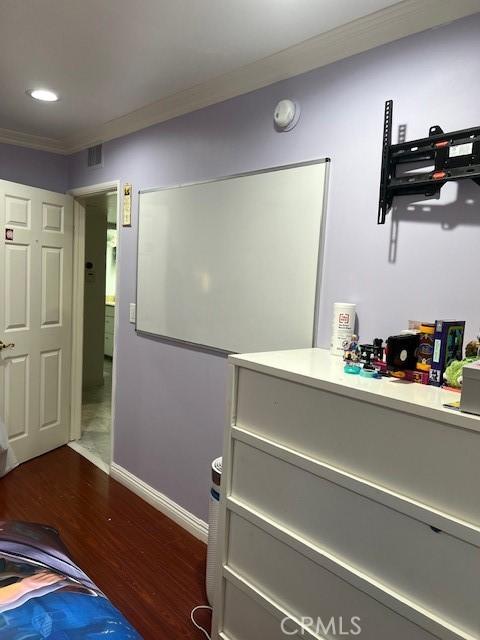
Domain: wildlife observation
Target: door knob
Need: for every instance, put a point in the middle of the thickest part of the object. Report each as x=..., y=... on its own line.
x=3, y=346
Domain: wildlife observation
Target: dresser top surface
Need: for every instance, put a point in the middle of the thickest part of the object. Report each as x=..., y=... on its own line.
x=318, y=368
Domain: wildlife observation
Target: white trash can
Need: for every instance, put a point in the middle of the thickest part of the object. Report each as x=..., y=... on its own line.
x=213, y=510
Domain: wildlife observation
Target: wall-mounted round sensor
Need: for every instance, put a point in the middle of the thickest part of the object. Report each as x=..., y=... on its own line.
x=286, y=115
x=43, y=95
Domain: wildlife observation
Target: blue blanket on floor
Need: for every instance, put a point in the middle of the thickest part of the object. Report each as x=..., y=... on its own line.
x=43, y=594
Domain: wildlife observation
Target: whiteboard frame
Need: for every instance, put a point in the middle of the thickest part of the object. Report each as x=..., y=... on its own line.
x=320, y=258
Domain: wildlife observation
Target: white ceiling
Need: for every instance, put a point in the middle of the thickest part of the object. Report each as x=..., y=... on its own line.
x=108, y=58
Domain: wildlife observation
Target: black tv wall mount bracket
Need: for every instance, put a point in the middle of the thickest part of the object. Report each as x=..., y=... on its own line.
x=455, y=155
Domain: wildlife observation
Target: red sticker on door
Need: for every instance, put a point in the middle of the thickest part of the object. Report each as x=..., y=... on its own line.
x=8, y=234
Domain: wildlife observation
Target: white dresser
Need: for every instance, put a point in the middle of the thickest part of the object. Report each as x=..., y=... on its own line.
x=348, y=504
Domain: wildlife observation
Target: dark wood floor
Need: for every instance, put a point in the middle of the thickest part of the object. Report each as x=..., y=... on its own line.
x=150, y=568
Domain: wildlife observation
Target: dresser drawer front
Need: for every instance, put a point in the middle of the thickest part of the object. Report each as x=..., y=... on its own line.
x=246, y=619
x=108, y=345
x=428, y=461
x=436, y=570
x=307, y=590
x=109, y=324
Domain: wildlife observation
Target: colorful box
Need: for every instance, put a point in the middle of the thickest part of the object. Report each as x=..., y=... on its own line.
x=447, y=346
x=412, y=375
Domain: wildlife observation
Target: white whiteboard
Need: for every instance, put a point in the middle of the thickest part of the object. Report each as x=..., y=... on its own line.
x=233, y=264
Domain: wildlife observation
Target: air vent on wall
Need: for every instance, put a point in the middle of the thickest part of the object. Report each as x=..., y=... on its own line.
x=95, y=156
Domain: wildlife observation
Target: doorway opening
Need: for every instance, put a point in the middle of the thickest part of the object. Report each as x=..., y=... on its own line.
x=96, y=277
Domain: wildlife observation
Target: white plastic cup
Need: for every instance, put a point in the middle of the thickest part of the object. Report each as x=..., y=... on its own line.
x=343, y=326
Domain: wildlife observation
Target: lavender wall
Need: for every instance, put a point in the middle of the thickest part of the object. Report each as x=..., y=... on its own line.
x=35, y=168
x=170, y=400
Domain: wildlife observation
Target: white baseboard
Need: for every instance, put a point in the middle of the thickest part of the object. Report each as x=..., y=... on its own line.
x=91, y=457
x=168, y=507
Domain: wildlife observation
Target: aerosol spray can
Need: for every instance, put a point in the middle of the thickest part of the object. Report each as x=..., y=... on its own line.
x=343, y=326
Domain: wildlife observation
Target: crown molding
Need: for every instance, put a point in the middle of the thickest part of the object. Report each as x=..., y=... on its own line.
x=390, y=24
x=41, y=143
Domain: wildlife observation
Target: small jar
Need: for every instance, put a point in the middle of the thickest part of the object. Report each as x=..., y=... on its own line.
x=425, y=348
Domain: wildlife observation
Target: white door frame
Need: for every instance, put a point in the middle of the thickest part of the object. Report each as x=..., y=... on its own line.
x=77, y=307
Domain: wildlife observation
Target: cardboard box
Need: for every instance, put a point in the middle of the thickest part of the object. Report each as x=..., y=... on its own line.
x=470, y=401
x=447, y=347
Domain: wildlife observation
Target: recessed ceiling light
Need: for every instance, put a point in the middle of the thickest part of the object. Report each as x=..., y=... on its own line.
x=44, y=95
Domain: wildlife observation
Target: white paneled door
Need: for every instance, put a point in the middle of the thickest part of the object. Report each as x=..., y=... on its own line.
x=36, y=243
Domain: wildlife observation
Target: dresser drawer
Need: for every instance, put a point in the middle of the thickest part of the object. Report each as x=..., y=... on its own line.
x=109, y=324
x=431, y=462
x=307, y=590
x=108, y=344
x=246, y=619
x=436, y=570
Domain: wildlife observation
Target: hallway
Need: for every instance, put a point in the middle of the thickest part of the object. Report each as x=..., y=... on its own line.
x=97, y=417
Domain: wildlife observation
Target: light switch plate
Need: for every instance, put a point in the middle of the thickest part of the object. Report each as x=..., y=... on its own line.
x=133, y=312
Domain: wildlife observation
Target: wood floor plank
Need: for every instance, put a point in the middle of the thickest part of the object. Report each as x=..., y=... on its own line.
x=150, y=568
